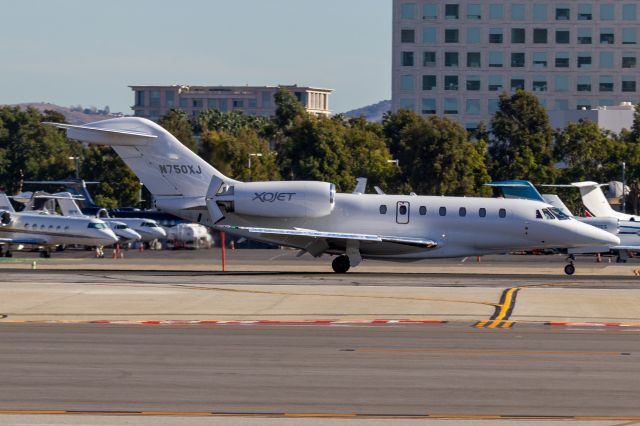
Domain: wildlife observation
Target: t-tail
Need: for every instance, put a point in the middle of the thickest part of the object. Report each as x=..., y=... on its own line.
x=594, y=200
x=177, y=178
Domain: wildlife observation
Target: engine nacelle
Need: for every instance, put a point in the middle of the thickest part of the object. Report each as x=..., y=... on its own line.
x=280, y=199
x=5, y=217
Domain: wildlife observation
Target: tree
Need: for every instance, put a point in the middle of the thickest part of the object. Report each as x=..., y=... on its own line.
x=230, y=153
x=314, y=149
x=31, y=150
x=368, y=155
x=288, y=109
x=444, y=161
x=118, y=186
x=177, y=123
x=588, y=153
x=520, y=147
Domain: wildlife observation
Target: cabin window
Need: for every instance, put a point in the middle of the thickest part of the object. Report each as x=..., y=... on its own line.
x=462, y=212
x=26, y=225
x=50, y=226
x=66, y=228
x=482, y=212
x=502, y=213
x=443, y=211
x=42, y=226
x=422, y=210
x=58, y=227
x=403, y=210
x=383, y=209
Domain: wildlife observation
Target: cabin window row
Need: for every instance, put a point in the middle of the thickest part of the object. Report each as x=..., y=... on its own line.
x=35, y=226
x=442, y=211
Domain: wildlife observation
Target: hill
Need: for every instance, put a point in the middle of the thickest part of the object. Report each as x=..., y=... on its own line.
x=73, y=117
x=371, y=112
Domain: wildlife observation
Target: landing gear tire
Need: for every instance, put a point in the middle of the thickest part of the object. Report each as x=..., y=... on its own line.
x=8, y=254
x=569, y=269
x=341, y=264
x=45, y=254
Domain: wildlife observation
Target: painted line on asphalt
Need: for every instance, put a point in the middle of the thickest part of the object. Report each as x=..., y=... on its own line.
x=503, y=310
x=492, y=352
x=443, y=416
x=235, y=322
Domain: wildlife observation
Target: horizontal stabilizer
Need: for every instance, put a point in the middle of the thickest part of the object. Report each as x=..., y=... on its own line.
x=105, y=136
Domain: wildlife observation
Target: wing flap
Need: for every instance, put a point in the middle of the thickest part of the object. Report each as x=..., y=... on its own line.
x=311, y=233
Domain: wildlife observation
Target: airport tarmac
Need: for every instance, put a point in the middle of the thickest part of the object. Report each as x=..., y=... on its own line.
x=510, y=339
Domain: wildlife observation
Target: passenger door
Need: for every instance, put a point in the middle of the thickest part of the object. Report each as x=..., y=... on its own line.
x=402, y=212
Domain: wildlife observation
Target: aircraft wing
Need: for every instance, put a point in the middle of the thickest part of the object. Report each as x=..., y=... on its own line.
x=299, y=232
x=28, y=241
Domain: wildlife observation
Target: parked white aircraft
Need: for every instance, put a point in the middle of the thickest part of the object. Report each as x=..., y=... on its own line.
x=39, y=202
x=128, y=229
x=594, y=200
x=311, y=216
x=628, y=232
x=47, y=231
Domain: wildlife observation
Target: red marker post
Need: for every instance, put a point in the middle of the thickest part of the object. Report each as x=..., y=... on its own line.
x=222, y=244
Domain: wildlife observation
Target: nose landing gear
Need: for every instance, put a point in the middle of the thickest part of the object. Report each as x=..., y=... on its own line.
x=570, y=268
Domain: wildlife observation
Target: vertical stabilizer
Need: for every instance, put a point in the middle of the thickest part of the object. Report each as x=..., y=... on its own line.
x=164, y=165
x=594, y=200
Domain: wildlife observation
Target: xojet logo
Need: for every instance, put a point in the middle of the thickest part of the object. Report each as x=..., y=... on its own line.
x=270, y=197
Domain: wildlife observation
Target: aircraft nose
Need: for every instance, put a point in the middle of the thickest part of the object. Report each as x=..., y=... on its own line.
x=591, y=235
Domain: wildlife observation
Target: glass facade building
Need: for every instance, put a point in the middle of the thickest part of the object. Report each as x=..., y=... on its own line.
x=454, y=58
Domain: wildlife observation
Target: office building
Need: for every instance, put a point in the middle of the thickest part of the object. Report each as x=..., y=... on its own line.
x=454, y=58
x=153, y=102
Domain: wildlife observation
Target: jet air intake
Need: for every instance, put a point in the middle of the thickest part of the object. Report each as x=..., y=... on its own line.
x=291, y=199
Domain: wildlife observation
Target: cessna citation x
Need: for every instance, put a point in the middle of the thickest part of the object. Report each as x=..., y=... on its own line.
x=312, y=217
x=47, y=231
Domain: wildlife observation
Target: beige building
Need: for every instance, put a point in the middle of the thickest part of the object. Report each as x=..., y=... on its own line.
x=454, y=58
x=153, y=102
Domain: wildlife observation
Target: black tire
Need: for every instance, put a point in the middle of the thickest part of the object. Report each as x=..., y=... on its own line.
x=8, y=254
x=569, y=269
x=341, y=264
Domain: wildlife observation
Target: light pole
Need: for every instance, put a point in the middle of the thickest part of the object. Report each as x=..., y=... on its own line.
x=396, y=162
x=77, y=165
x=624, y=203
x=253, y=154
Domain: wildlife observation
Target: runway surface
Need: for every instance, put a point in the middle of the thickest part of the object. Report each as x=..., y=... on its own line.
x=510, y=339
x=450, y=370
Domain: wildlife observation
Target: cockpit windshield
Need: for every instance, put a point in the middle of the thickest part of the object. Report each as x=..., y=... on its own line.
x=149, y=224
x=97, y=226
x=559, y=214
x=548, y=214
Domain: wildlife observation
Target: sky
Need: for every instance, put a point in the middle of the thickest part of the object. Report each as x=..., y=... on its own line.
x=71, y=52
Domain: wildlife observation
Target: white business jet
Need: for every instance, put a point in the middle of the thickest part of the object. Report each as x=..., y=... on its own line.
x=43, y=202
x=627, y=231
x=312, y=217
x=47, y=231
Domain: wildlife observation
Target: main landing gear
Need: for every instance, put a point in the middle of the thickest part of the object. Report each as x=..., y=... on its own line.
x=570, y=268
x=45, y=253
x=341, y=264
